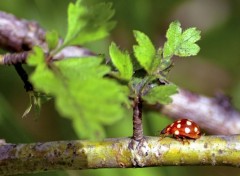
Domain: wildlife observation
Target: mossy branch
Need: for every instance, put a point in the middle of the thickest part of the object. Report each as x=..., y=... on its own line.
x=116, y=153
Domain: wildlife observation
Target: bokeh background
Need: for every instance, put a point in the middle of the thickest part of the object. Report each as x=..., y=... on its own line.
x=215, y=69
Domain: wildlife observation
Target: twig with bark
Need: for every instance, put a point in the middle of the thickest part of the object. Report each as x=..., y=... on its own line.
x=116, y=153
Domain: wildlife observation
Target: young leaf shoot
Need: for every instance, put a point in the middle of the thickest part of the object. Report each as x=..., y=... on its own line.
x=121, y=61
x=181, y=44
x=52, y=39
x=145, y=51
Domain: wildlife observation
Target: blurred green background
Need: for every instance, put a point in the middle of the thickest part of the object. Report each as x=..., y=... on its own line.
x=215, y=69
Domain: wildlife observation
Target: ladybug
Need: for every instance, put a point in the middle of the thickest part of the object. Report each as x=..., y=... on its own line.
x=183, y=128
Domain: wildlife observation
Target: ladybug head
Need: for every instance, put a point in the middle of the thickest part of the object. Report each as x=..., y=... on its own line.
x=163, y=131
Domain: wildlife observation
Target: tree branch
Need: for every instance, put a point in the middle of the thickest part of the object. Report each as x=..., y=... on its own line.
x=115, y=153
x=215, y=115
x=28, y=35
x=20, y=35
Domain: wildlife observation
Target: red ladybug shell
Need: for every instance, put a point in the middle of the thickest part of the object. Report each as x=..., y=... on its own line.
x=183, y=128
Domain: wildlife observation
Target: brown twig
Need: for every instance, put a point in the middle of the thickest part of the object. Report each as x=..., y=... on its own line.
x=20, y=35
x=15, y=58
x=137, y=119
x=24, y=77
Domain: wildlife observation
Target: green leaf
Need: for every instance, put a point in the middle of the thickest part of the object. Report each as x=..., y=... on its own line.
x=52, y=39
x=145, y=51
x=36, y=58
x=188, y=46
x=76, y=22
x=121, y=61
x=86, y=24
x=174, y=33
x=82, y=93
x=160, y=94
x=82, y=68
x=181, y=44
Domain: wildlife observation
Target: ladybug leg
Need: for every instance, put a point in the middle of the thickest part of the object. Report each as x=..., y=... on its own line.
x=179, y=138
x=162, y=136
x=182, y=139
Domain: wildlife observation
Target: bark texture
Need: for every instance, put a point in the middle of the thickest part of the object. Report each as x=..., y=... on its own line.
x=115, y=153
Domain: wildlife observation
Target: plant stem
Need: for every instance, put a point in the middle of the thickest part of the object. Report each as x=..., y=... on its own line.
x=137, y=119
x=24, y=76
